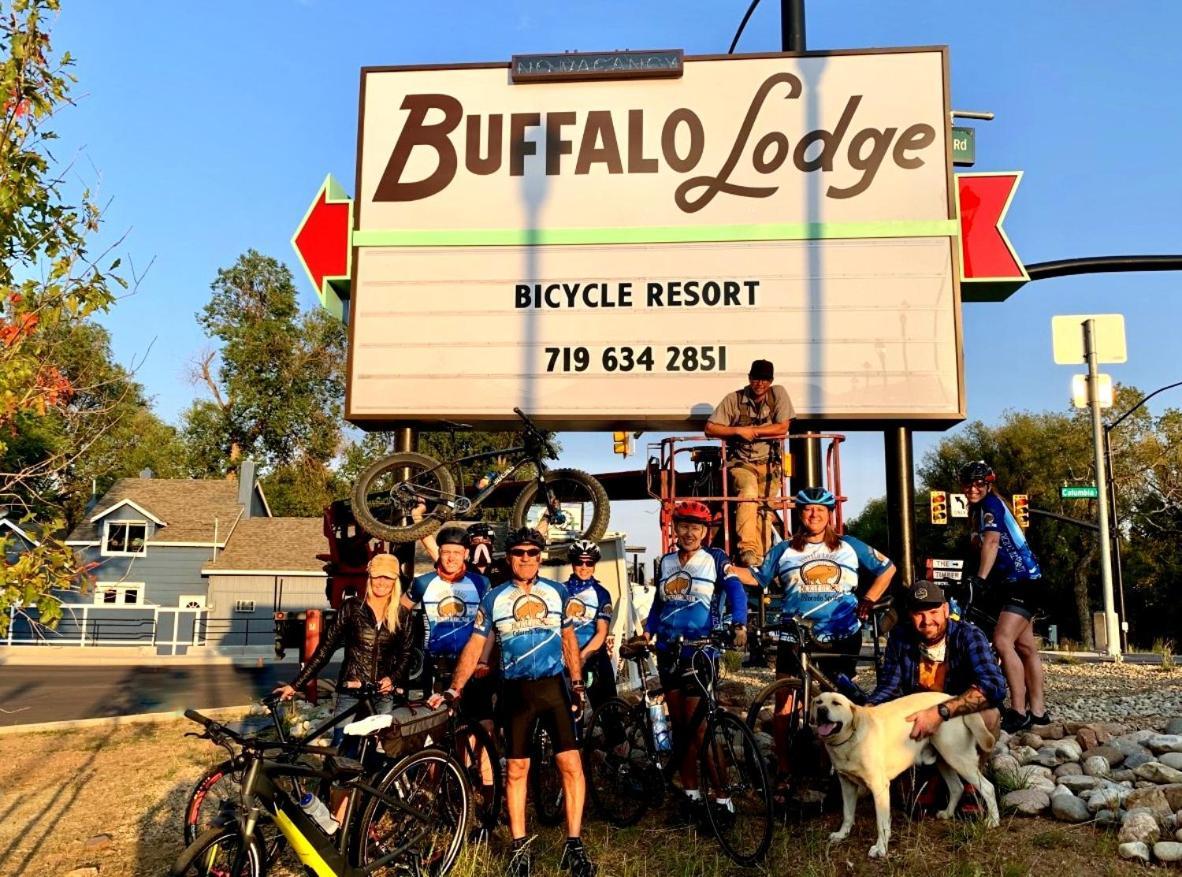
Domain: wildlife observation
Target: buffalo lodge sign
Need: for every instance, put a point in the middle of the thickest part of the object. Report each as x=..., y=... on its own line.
x=529, y=244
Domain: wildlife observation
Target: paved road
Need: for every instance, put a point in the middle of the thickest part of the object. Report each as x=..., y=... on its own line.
x=52, y=694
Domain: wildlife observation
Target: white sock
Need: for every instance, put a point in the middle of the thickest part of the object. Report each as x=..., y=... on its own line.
x=693, y=794
x=725, y=802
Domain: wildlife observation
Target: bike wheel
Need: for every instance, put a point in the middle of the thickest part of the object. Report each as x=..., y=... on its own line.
x=428, y=829
x=545, y=779
x=582, y=497
x=388, y=492
x=214, y=852
x=476, y=752
x=622, y=777
x=736, y=790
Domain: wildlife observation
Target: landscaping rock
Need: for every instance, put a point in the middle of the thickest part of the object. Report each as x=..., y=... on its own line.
x=84, y=871
x=1097, y=766
x=1004, y=765
x=1053, y=731
x=1068, y=808
x=1107, y=751
x=1178, y=834
x=1024, y=754
x=1173, y=793
x=1077, y=784
x=1160, y=743
x=1129, y=746
x=1167, y=851
x=1068, y=769
x=1149, y=799
x=1139, y=826
x=1107, y=818
x=1156, y=772
x=1054, y=754
x=1107, y=799
x=1139, y=736
x=1137, y=851
x=98, y=842
x=1174, y=726
x=1136, y=760
x=1087, y=738
x=1030, y=802
x=1028, y=738
x=1171, y=759
x=1122, y=776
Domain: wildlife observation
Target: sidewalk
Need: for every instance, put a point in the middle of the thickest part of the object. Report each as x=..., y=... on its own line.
x=141, y=656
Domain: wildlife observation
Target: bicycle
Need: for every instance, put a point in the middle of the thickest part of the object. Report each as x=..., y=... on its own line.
x=412, y=819
x=628, y=772
x=390, y=495
x=545, y=777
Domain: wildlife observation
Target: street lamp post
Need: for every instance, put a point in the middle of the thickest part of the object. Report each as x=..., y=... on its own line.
x=1110, y=499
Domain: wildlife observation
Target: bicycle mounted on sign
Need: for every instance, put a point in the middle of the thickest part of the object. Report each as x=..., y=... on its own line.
x=406, y=496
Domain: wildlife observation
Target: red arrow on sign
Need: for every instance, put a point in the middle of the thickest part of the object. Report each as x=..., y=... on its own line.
x=990, y=268
x=322, y=243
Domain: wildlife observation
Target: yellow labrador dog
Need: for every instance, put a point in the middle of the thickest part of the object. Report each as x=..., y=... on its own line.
x=871, y=745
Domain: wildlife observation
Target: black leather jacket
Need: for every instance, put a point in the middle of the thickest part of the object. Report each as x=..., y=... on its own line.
x=371, y=652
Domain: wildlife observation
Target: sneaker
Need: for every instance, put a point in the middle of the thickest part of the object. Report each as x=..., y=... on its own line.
x=1044, y=719
x=521, y=863
x=687, y=812
x=576, y=860
x=1013, y=722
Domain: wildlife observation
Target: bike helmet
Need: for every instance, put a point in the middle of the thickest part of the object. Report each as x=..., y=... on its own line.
x=584, y=550
x=978, y=470
x=693, y=511
x=815, y=496
x=480, y=530
x=452, y=536
x=525, y=536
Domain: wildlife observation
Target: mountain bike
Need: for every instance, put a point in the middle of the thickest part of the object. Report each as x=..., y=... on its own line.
x=627, y=770
x=407, y=496
x=545, y=777
x=410, y=820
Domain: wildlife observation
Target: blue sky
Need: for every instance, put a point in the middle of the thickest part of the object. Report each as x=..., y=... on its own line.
x=210, y=126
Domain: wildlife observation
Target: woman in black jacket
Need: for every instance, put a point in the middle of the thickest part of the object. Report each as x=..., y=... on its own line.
x=376, y=636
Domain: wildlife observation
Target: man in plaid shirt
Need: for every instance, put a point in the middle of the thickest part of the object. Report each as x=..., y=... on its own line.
x=935, y=653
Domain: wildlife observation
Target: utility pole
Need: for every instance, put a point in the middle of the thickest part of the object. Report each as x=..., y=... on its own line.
x=1110, y=623
x=792, y=37
x=406, y=440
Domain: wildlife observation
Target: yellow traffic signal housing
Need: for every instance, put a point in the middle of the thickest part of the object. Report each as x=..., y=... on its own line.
x=1022, y=510
x=939, y=504
x=621, y=443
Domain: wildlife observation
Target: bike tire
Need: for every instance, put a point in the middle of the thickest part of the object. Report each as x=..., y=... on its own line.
x=204, y=857
x=763, y=697
x=472, y=742
x=432, y=784
x=621, y=772
x=545, y=779
x=437, y=512
x=601, y=506
x=732, y=769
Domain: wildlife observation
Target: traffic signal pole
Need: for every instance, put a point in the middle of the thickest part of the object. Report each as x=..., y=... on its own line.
x=1112, y=637
x=900, y=501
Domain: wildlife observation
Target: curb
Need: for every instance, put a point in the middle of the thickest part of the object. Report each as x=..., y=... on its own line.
x=228, y=712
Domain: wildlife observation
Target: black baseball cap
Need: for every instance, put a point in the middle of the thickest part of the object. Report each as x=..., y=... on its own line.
x=762, y=370
x=926, y=595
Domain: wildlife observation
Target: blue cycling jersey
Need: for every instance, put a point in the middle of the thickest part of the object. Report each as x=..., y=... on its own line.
x=689, y=598
x=450, y=608
x=820, y=582
x=1015, y=561
x=589, y=604
x=528, y=625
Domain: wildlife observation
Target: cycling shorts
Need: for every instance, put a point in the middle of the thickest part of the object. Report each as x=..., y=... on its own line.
x=1019, y=597
x=840, y=656
x=602, y=683
x=677, y=674
x=476, y=702
x=527, y=701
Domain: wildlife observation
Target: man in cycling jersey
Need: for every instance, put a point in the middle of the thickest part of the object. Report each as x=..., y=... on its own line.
x=753, y=419
x=692, y=583
x=819, y=571
x=1008, y=571
x=590, y=611
x=528, y=616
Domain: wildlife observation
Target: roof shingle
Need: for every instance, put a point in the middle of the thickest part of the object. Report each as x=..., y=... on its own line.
x=274, y=545
x=189, y=508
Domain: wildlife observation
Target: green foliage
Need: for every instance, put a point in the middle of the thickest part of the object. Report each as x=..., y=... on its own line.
x=27, y=582
x=302, y=489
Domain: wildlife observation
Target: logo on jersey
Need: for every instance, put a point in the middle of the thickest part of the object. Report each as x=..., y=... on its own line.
x=988, y=518
x=576, y=608
x=879, y=556
x=529, y=608
x=678, y=585
x=818, y=574
x=479, y=617
x=451, y=607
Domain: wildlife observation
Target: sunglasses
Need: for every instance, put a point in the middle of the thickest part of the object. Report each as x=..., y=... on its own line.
x=980, y=484
x=582, y=563
x=525, y=552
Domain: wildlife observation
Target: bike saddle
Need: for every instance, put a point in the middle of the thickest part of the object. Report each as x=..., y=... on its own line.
x=368, y=725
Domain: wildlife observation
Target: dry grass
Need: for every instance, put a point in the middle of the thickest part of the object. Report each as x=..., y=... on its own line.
x=59, y=789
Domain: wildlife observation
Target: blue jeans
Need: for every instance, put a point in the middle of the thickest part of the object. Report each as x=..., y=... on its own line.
x=383, y=706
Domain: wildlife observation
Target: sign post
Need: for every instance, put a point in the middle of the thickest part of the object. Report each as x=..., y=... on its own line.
x=1092, y=355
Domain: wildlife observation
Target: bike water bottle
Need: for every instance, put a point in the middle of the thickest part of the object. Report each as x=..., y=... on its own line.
x=316, y=808
x=656, y=712
x=850, y=689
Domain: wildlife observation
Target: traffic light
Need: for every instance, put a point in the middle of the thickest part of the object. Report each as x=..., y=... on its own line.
x=939, y=501
x=1022, y=510
x=621, y=443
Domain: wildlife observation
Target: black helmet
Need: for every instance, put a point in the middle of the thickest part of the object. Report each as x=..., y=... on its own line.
x=452, y=536
x=978, y=470
x=480, y=530
x=525, y=536
x=583, y=549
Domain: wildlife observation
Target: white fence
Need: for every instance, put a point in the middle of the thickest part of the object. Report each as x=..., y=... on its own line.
x=86, y=626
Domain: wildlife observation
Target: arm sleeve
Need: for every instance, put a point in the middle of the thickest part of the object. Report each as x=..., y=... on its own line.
x=987, y=675
x=766, y=572
x=397, y=665
x=484, y=615
x=724, y=412
x=417, y=588
x=890, y=680
x=782, y=407
x=874, y=562
x=992, y=514
x=736, y=596
x=605, y=605
x=329, y=643
x=564, y=601
x=481, y=584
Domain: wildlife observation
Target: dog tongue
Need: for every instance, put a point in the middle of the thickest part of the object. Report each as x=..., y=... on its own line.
x=825, y=729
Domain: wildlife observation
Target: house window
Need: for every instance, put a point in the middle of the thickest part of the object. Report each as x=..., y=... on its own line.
x=244, y=605
x=119, y=594
x=125, y=537
x=192, y=601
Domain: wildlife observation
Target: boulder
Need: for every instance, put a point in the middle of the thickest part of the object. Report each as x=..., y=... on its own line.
x=1173, y=793
x=1128, y=747
x=1053, y=731
x=1058, y=752
x=1068, y=769
x=1122, y=776
x=1149, y=799
x=1029, y=802
x=1167, y=851
x=1024, y=754
x=1171, y=759
x=1087, y=738
x=1028, y=738
x=1139, y=737
x=1178, y=834
x=1106, y=799
x=1107, y=751
x=1077, y=784
x=1136, y=851
x=1174, y=726
x=1097, y=766
x=1156, y=772
x=1068, y=808
x=1139, y=826
x=1160, y=743
x=1004, y=765
x=1136, y=760
x=1107, y=818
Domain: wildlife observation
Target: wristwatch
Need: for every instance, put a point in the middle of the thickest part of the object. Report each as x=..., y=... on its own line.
x=942, y=709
